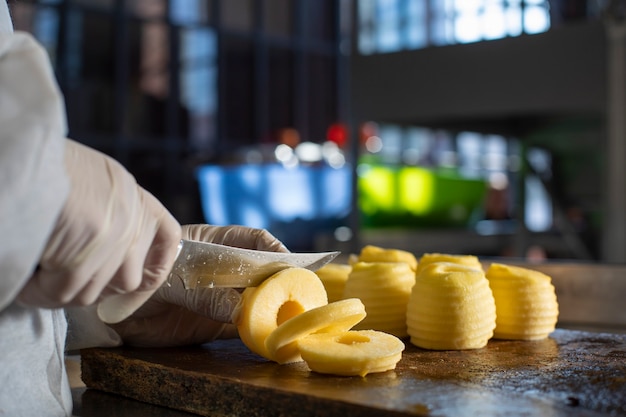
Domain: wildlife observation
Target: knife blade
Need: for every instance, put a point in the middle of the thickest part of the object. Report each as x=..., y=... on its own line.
x=202, y=264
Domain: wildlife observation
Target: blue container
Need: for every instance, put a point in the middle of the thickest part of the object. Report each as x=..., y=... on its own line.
x=294, y=204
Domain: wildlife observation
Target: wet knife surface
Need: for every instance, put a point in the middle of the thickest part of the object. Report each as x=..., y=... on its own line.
x=202, y=264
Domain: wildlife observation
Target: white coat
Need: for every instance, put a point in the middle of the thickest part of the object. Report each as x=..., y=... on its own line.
x=33, y=190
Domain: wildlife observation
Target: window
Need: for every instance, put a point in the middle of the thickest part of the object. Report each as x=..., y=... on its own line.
x=394, y=25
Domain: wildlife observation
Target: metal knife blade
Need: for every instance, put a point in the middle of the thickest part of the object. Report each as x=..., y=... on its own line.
x=202, y=264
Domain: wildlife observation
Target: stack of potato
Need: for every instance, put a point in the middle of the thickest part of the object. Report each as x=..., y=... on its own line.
x=348, y=319
x=452, y=302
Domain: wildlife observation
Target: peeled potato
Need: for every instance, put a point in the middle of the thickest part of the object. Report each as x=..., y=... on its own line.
x=351, y=353
x=429, y=258
x=451, y=307
x=371, y=253
x=284, y=295
x=384, y=289
x=334, y=317
x=334, y=277
x=526, y=303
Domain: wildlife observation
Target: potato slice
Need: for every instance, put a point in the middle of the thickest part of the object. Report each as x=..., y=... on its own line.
x=355, y=352
x=334, y=317
x=284, y=295
x=526, y=302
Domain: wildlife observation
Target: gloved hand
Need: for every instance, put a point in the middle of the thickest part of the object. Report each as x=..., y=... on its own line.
x=235, y=236
x=175, y=316
x=112, y=237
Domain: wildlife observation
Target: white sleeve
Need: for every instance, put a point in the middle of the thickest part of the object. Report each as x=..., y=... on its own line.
x=33, y=183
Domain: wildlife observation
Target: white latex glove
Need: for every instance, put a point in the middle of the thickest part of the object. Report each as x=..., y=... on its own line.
x=111, y=238
x=175, y=316
x=236, y=236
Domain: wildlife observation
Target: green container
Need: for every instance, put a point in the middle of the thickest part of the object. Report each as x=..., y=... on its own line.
x=417, y=196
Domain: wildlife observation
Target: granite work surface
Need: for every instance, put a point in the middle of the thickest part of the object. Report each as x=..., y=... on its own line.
x=572, y=373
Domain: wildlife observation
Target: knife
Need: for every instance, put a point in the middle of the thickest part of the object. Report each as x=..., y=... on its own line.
x=202, y=264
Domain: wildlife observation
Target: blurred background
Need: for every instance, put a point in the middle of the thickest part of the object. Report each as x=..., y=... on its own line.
x=488, y=127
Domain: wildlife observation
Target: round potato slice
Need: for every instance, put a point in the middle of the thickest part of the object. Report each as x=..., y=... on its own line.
x=355, y=352
x=338, y=316
x=284, y=295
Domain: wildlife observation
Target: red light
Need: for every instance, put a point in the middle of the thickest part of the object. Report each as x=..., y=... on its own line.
x=337, y=133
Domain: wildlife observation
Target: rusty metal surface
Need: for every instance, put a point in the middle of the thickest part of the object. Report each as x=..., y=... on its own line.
x=569, y=374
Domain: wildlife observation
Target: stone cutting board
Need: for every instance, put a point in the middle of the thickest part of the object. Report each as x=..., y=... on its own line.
x=571, y=373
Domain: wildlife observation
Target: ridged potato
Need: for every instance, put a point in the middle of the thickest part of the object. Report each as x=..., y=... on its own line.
x=451, y=307
x=526, y=303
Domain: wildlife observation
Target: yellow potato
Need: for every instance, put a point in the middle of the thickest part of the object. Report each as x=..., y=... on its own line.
x=352, y=352
x=282, y=296
x=384, y=289
x=451, y=307
x=334, y=277
x=429, y=258
x=371, y=253
x=526, y=303
x=334, y=317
